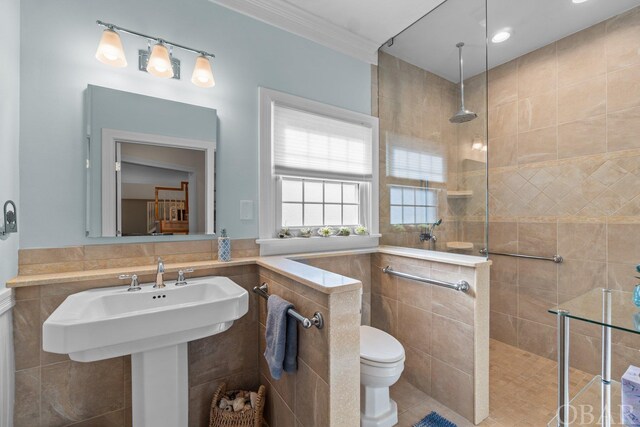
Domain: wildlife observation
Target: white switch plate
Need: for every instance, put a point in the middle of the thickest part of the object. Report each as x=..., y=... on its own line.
x=246, y=210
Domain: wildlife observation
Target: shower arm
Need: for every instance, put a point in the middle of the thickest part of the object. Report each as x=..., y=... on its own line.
x=459, y=46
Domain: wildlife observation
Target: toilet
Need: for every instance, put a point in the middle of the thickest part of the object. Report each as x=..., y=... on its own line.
x=381, y=363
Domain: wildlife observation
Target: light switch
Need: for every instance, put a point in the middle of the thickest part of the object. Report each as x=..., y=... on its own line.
x=246, y=210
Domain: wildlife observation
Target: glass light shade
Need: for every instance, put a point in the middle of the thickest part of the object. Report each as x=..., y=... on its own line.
x=110, y=49
x=202, y=75
x=159, y=63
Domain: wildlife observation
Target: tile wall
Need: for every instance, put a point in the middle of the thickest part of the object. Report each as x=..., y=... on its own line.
x=95, y=257
x=52, y=390
x=564, y=177
x=414, y=107
x=355, y=266
x=444, y=333
x=325, y=391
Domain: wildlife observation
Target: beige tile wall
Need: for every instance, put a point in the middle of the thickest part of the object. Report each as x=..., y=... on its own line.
x=414, y=107
x=94, y=257
x=325, y=391
x=52, y=390
x=444, y=333
x=355, y=266
x=564, y=177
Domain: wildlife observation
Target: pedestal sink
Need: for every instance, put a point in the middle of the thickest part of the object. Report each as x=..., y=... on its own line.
x=154, y=326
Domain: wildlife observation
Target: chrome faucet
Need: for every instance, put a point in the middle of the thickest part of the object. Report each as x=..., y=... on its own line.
x=134, y=286
x=160, y=275
x=181, y=279
x=427, y=235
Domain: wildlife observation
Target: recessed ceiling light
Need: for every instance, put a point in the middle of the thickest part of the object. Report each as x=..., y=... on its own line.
x=500, y=36
x=578, y=1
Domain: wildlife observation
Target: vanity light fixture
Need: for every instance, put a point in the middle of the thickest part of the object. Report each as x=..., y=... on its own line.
x=157, y=60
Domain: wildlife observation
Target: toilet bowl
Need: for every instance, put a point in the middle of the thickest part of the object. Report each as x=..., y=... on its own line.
x=381, y=364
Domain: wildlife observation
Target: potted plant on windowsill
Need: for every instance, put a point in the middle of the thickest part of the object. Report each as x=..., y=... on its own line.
x=344, y=231
x=305, y=232
x=325, y=231
x=360, y=230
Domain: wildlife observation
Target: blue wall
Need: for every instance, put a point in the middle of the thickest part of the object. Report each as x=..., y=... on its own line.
x=9, y=136
x=58, y=63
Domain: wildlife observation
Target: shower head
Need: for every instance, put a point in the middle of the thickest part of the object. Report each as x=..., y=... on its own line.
x=463, y=115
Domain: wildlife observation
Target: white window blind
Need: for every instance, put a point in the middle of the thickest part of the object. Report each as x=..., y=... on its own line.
x=312, y=145
x=418, y=165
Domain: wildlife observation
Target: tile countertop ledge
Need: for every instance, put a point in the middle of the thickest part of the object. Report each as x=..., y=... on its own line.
x=321, y=280
x=442, y=257
x=113, y=273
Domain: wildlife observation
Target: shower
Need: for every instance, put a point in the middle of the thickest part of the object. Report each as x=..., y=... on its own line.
x=463, y=115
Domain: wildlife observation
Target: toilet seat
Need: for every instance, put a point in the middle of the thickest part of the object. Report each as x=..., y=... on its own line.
x=378, y=348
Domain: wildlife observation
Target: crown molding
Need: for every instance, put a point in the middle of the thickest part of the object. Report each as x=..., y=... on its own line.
x=304, y=24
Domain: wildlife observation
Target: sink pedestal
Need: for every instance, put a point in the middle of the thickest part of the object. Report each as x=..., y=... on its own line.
x=160, y=387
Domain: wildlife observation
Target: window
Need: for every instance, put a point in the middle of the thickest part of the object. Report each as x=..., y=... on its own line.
x=316, y=167
x=315, y=203
x=320, y=163
x=413, y=205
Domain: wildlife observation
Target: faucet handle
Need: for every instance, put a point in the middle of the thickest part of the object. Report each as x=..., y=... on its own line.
x=181, y=280
x=134, y=286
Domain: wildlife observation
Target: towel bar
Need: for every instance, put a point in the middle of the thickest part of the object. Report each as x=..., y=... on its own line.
x=461, y=285
x=317, y=320
x=556, y=258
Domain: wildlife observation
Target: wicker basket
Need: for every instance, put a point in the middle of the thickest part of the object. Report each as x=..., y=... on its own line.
x=249, y=418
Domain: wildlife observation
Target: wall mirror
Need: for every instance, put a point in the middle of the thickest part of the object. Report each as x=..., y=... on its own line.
x=150, y=165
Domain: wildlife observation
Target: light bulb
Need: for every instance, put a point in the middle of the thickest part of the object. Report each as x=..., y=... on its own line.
x=159, y=63
x=110, y=49
x=202, y=75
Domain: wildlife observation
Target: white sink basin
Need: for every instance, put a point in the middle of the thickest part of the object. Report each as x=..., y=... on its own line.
x=154, y=326
x=108, y=322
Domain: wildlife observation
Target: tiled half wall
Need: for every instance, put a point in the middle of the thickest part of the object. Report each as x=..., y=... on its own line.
x=445, y=333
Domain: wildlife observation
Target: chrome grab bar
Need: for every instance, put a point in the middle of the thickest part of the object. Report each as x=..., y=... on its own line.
x=317, y=320
x=556, y=258
x=461, y=285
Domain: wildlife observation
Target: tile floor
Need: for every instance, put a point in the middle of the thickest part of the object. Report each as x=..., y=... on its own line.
x=522, y=390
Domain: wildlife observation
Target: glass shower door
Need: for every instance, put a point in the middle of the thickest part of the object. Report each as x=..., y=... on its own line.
x=432, y=97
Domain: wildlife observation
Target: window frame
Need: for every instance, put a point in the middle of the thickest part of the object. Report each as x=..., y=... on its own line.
x=362, y=187
x=270, y=200
x=414, y=205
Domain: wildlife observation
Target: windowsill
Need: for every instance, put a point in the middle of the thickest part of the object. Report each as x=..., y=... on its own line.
x=292, y=245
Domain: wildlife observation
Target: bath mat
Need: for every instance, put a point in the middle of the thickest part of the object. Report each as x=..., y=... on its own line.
x=434, y=420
